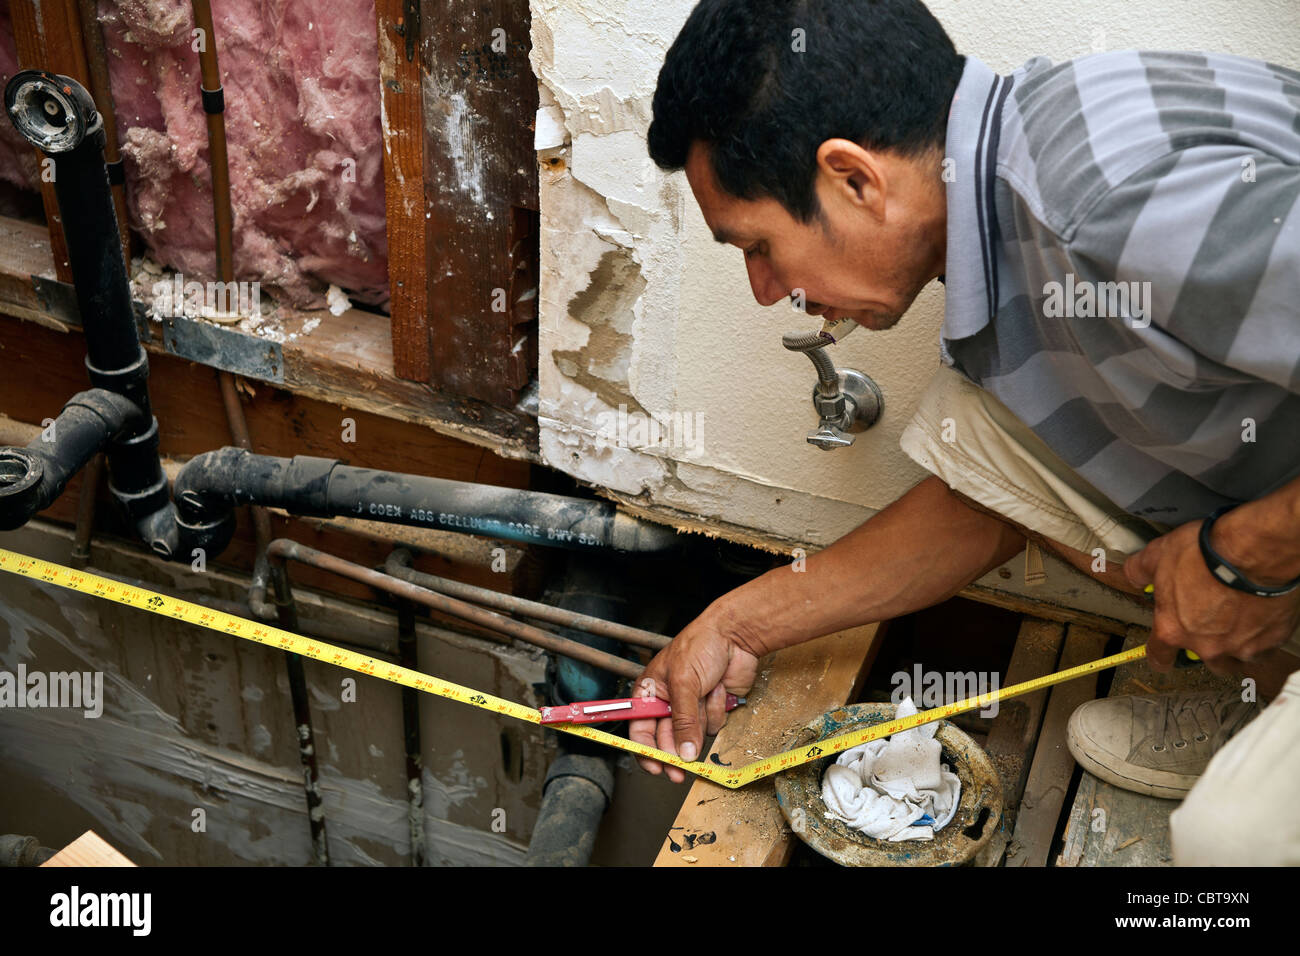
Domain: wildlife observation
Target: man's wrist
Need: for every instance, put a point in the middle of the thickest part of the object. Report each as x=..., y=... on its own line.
x=734, y=616
x=1261, y=539
x=756, y=616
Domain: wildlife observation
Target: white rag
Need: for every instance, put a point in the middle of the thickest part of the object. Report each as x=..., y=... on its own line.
x=884, y=787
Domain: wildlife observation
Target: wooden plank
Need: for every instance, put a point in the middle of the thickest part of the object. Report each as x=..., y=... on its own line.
x=1044, y=609
x=480, y=175
x=1053, y=765
x=47, y=36
x=1015, y=729
x=1109, y=826
x=89, y=849
x=408, y=228
x=745, y=827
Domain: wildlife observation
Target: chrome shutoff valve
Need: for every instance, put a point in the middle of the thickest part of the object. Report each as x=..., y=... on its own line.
x=847, y=401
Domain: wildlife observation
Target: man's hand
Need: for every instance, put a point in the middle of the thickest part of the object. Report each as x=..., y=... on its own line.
x=705, y=662
x=1196, y=611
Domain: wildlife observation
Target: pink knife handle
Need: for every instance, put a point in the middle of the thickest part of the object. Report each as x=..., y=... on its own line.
x=624, y=708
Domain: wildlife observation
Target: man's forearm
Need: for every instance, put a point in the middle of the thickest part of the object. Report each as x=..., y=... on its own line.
x=919, y=551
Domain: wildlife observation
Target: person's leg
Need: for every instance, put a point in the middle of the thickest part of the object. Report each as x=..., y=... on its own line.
x=995, y=463
x=1242, y=811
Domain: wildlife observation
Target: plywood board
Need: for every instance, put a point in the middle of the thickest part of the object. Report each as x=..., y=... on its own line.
x=89, y=849
x=721, y=827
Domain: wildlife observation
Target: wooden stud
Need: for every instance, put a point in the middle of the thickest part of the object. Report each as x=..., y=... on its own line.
x=403, y=131
x=480, y=168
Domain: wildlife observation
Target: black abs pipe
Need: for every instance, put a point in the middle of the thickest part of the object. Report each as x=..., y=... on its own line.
x=32, y=478
x=57, y=115
x=213, y=483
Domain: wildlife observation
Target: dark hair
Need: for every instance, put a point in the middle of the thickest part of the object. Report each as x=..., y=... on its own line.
x=879, y=72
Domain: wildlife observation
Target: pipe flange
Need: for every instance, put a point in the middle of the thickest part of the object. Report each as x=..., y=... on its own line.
x=21, y=472
x=53, y=112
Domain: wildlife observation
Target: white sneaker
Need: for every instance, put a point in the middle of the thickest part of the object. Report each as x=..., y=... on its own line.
x=1157, y=745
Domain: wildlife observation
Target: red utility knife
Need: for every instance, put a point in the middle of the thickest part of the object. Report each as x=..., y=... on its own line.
x=625, y=708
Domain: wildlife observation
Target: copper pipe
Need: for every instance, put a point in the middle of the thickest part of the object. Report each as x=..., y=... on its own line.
x=398, y=565
x=239, y=432
x=223, y=217
x=90, y=479
x=282, y=550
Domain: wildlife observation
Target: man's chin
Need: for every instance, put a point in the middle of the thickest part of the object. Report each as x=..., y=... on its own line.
x=877, y=321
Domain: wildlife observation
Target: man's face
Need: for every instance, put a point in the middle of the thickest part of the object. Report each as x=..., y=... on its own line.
x=878, y=242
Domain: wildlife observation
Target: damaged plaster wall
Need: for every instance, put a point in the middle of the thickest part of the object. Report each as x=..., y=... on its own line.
x=639, y=307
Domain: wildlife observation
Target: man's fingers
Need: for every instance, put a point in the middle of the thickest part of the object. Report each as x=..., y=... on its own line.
x=643, y=732
x=1162, y=648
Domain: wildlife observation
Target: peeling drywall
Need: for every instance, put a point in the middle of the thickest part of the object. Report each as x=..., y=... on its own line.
x=697, y=344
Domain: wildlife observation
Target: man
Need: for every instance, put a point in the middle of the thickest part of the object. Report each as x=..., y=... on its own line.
x=1119, y=238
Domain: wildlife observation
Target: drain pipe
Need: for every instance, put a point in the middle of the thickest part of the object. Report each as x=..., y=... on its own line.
x=16, y=850
x=32, y=478
x=210, y=485
x=579, y=785
x=57, y=115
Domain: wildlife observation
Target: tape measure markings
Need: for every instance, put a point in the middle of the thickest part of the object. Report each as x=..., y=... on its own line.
x=730, y=777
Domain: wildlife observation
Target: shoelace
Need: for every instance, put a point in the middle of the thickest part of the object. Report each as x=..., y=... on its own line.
x=1216, y=719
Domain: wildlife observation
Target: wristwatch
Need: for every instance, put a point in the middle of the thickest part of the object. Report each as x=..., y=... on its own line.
x=1229, y=575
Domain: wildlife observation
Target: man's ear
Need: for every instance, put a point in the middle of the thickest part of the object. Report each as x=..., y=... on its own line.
x=855, y=175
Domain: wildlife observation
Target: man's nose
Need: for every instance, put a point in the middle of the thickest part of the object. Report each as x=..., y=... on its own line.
x=767, y=290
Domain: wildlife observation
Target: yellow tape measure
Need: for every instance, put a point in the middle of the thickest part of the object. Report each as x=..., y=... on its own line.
x=731, y=777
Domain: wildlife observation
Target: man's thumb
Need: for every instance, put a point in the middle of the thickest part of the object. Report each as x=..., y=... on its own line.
x=686, y=727
x=1140, y=568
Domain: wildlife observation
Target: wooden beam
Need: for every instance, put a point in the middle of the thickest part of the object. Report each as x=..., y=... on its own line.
x=720, y=827
x=408, y=226
x=1015, y=729
x=480, y=177
x=1044, y=609
x=47, y=36
x=1053, y=766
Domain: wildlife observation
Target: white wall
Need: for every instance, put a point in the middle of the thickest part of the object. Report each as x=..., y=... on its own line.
x=665, y=320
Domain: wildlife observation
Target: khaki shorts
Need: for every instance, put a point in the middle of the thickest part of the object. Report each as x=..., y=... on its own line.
x=970, y=440
x=1242, y=809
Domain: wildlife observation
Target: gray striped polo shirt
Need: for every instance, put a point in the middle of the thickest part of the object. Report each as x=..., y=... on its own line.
x=1123, y=269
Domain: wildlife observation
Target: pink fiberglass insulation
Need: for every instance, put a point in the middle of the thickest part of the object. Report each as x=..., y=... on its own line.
x=301, y=80
x=18, y=163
